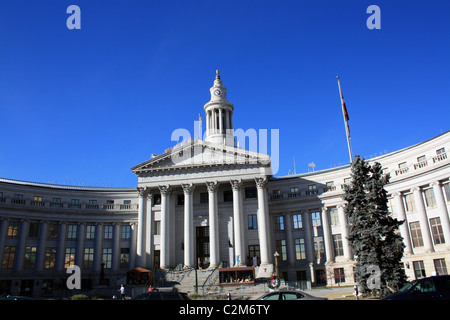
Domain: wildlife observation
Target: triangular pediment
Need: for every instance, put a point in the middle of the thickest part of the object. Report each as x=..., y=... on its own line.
x=201, y=154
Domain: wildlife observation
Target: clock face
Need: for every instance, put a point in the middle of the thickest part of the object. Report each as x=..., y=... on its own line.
x=217, y=92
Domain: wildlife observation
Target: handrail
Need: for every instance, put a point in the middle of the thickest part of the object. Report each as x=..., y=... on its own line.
x=215, y=273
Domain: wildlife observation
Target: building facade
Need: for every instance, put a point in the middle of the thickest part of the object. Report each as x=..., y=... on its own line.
x=209, y=203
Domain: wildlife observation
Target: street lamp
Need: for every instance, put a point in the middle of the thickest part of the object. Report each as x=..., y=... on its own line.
x=276, y=255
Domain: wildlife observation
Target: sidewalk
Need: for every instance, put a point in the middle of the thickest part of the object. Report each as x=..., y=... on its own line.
x=253, y=292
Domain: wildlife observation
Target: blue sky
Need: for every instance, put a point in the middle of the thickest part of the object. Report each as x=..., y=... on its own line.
x=82, y=107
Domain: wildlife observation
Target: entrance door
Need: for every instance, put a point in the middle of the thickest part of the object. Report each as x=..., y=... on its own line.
x=203, y=247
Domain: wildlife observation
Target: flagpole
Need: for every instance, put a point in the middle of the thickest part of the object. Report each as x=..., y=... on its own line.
x=344, y=112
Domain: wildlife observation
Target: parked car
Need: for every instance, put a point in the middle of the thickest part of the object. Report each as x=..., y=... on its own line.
x=162, y=294
x=8, y=297
x=430, y=288
x=289, y=295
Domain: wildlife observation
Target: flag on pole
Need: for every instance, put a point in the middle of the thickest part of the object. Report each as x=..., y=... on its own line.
x=346, y=118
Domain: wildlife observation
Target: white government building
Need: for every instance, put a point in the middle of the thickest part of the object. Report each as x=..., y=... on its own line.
x=209, y=204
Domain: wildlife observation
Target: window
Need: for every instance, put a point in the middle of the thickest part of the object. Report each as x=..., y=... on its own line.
x=180, y=199
x=88, y=261
x=250, y=192
x=312, y=189
x=109, y=230
x=125, y=232
x=447, y=191
x=440, y=266
x=109, y=204
x=33, y=230
x=75, y=203
x=338, y=248
x=334, y=217
x=281, y=249
x=436, y=230
x=204, y=197
x=69, y=259
x=124, y=258
x=92, y=204
x=300, y=251
x=297, y=220
x=276, y=192
x=156, y=199
x=53, y=231
x=279, y=225
x=419, y=269
x=409, y=202
x=440, y=151
x=127, y=204
x=90, y=232
x=315, y=216
x=18, y=199
x=252, y=222
x=430, y=200
x=331, y=186
x=416, y=234
x=8, y=257
x=253, y=252
x=50, y=258
x=318, y=247
x=30, y=257
x=421, y=162
x=13, y=228
x=228, y=196
x=37, y=201
x=339, y=275
x=158, y=227
x=294, y=189
x=72, y=231
x=56, y=202
x=107, y=257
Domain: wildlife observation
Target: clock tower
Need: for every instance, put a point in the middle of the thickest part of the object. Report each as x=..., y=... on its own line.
x=219, y=115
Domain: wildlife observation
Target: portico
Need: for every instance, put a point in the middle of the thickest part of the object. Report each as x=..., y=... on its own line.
x=208, y=179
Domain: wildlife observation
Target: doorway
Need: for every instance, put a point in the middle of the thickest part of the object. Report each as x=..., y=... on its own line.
x=202, y=235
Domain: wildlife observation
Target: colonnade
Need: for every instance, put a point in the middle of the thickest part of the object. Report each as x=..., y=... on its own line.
x=145, y=246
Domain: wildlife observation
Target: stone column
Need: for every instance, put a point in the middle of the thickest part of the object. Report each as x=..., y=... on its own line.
x=164, y=242
x=188, y=190
x=20, y=253
x=116, y=248
x=404, y=228
x=309, y=243
x=4, y=222
x=207, y=124
x=220, y=121
x=149, y=232
x=423, y=220
x=98, y=254
x=213, y=224
x=344, y=232
x=327, y=239
x=60, y=253
x=133, y=246
x=263, y=221
x=238, y=242
x=289, y=239
x=443, y=212
x=40, y=259
x=80, y=244
x=142, y=211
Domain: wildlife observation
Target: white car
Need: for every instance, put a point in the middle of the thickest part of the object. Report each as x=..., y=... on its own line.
x=288, y=295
